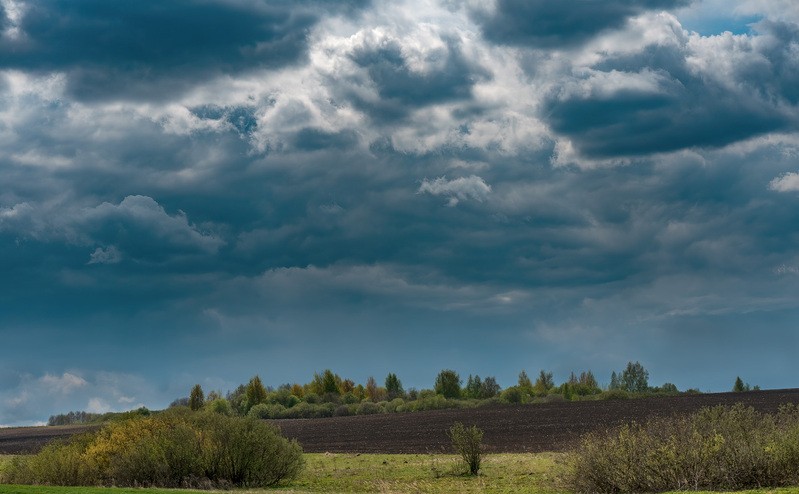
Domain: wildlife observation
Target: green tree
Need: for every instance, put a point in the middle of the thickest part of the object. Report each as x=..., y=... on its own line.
x=490, y=388
x=473, y=385
x=544, y=383
x=373, y=391
x=524, y=382
x=614, y=381
x=255, y=393
x=237, y=400
x=330, y=383
x=741, y=386
x=634, y=379
x=394, y=386
x=448, y=384
x=196, y=398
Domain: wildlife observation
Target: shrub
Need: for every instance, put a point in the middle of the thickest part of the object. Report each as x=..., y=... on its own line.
x=248, y=453
x=720, y=448
x=349, y=398
x=283, y=397
x=614, y=394
x=266, y=411
x=468, y=443
x=342, y=411
x=368, y=408
x=394, y=405
x=220, y=406
x=435, y=402
x=514, y=394
x=168, y=450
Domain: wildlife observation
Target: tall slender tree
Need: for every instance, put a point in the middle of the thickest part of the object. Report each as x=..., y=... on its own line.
x=255, y=393
x=196, y=398
x=394, y=386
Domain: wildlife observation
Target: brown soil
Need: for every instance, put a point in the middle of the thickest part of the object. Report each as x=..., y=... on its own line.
x=17, y=440
x=518, y=428
x=508, y=429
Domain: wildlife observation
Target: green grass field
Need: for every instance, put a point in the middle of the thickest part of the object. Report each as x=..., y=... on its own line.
x=346, y=473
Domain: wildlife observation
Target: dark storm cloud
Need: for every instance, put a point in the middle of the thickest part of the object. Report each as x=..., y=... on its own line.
x=241, y=118
x=554, y=24
x=5, y=22
x=150, y=50
x=268, y=227
x=401, y=89
x=778, y=77
x=311, y=139
x=652, y=102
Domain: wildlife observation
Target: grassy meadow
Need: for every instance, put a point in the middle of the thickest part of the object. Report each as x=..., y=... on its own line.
x=370, y=473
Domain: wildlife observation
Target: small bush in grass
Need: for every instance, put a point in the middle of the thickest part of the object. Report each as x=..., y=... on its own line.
x=729, y=448
x=468, y=443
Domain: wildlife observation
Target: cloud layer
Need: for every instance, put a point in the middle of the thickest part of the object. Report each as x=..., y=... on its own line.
x=202, y=191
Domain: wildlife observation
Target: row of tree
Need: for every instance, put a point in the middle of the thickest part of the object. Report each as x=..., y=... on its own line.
x=329, y=387
x=328, y=394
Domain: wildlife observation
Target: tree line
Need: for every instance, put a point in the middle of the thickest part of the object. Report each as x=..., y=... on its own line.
x=328, y=394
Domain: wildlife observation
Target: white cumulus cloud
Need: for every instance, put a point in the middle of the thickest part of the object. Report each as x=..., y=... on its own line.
x=457, y=190
x=64, y=383
x=788, y=182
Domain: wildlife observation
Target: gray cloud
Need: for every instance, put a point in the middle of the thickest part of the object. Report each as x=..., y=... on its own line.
x=459, y=189
x=547, y=24
x=400, y=89
x=150, y=51
x=653, y=101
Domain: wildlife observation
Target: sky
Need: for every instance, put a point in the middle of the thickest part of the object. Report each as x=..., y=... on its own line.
x=198, y=191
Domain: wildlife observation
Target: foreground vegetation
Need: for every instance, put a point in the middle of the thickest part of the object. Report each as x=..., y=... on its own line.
x=718, y=448
x=434, y=474
x=173, y=449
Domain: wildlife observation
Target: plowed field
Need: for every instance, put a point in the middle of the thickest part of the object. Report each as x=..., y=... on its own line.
x=508, y=429
x=519, y=428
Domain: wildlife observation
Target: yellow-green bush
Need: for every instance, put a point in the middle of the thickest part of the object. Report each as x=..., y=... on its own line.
x=168, y=450
x=728, y=448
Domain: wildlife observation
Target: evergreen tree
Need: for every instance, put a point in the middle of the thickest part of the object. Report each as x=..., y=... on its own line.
x=524, y=381
x=544, y=383
x=196, y=398
x=393, y=386
x=614, y=381
x=741, y=386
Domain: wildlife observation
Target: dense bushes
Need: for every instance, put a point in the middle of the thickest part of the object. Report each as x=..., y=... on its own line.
x=174, y=449
x=717, y=448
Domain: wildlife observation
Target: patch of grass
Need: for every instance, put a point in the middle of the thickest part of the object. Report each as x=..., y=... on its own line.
x=46, y=489
x=500, y=473
x=434, y=474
